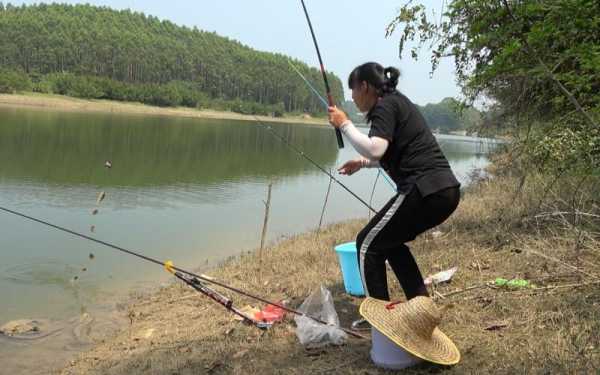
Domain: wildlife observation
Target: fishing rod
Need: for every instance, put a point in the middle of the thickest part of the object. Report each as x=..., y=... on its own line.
x=301, y=153
x=338, y=133
x=199, y=286
x=192, y=277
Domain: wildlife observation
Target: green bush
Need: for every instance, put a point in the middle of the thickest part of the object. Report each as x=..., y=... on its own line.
x=12, y=81
x=165, y=95
x=60, y=83
x=85, y=87
x=112, y=89
x=278, y=109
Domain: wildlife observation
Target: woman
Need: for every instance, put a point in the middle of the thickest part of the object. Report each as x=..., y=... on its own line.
x=400, y=142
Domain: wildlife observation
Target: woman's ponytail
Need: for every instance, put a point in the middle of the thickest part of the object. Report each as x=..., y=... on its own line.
x=383, y=80
x=390, y=79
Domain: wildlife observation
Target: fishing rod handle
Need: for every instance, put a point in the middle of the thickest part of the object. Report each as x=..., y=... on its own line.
x=338, y=133
x=340, y=140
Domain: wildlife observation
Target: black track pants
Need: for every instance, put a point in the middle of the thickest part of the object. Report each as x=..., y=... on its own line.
x=385, y=236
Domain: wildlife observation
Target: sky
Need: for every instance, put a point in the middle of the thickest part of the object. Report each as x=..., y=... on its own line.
x=349, y=32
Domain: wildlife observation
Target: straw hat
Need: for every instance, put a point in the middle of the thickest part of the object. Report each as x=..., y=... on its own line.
x=412, y=325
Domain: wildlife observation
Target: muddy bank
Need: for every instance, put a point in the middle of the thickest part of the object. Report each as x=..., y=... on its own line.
x=68, y=104
x=549, y=327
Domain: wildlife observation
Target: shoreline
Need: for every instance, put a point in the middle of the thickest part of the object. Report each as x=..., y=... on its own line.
x=177, y=330
x=69, y=104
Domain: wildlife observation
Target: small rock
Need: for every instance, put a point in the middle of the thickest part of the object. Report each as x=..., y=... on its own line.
x=149, y=333
x=22, y=327
x=495, y=326
x=240, y=354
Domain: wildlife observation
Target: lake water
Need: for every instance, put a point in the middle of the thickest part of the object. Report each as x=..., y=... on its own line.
x=188, y=190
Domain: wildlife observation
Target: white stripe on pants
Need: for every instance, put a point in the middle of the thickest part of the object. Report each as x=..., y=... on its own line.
x=371, y=236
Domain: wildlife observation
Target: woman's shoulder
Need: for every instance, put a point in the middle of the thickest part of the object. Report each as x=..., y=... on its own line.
x=387, y=102
x=395, y=99
x=395, y=102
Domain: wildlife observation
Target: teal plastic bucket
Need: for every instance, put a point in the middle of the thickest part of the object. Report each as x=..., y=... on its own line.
x=349, y=264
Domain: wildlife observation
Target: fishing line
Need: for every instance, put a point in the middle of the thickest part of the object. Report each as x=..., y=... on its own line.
x=309, y=85
x=301, y=153
x=171, y=268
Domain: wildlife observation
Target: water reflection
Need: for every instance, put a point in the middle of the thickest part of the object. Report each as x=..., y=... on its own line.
x=65, y=153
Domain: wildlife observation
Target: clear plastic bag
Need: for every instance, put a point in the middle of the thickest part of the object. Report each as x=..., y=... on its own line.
x=313, y=334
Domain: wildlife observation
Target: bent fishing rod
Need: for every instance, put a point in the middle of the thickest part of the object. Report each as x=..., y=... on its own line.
x=338, y=133
x=188, y=277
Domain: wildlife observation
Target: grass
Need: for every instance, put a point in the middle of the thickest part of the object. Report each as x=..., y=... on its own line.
x=546, y=329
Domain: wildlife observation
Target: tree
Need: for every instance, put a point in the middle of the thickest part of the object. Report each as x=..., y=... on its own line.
x=145, y=53
x=538, y=60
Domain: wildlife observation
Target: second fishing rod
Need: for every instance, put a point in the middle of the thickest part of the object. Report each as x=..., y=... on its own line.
x=190, y=278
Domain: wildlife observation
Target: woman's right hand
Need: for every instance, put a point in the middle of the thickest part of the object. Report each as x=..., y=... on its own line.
x=351, y=166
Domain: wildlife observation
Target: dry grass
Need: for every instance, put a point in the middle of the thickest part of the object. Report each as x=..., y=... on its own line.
x=547, y=329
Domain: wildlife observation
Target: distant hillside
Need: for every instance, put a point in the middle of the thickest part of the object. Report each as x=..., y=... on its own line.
x=447, y=117
x=97, y=52
x=444, y=116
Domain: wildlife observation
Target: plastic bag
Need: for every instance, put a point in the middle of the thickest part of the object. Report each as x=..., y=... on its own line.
x=440, y=277
x=313, y=334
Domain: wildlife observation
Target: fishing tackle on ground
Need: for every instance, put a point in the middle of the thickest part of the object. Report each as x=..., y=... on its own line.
x=171, y=268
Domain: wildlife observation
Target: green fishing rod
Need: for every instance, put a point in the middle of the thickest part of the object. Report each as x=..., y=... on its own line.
x=338, y=133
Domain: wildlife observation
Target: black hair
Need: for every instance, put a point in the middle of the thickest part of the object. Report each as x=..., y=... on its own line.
x=383, y=80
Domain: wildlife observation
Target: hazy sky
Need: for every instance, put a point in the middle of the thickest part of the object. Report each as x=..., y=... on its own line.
x=349, y=32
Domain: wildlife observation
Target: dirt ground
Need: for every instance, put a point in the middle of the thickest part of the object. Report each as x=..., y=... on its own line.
x=551, y=327
x=69, y=104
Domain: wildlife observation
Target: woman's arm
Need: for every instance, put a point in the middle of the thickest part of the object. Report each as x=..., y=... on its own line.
x=352, y=166
x=371, y=148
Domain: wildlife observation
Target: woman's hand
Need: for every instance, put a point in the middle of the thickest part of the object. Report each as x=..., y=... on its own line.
x=351, y=166
x=336, y=117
